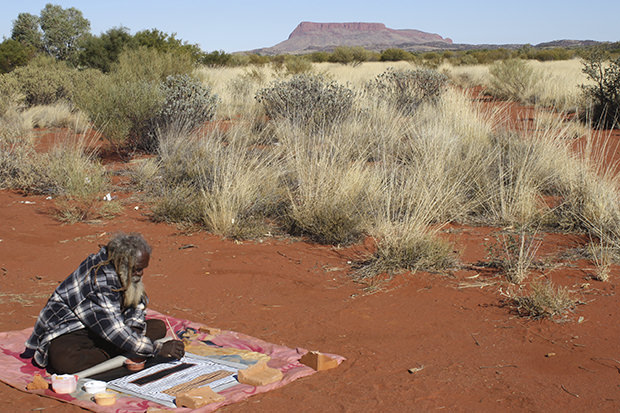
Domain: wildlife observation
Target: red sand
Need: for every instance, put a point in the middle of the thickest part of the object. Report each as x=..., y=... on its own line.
x=470, y=349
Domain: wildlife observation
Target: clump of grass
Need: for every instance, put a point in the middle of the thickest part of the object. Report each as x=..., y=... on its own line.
x=72, y=209
x=328, y=197
x=515, y=80
x=515, y=254
x=545, y=301
x=228, y=186
x=57, y=115
x=402, y=250
x=602, y=255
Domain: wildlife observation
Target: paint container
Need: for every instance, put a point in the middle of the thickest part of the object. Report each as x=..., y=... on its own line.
x=95, y=386
x=105, y=399
x=64, y=383
x=135, y=364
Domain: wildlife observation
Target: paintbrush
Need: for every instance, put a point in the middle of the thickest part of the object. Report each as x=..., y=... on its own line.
x=170, y=327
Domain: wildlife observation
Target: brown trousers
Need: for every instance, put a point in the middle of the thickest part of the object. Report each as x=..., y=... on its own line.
x=82, y=349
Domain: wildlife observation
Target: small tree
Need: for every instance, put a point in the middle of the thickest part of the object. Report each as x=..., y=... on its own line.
x=26, y=30
x=101, y=52
x=605, y=93
x=14, y=54
x=62, y=31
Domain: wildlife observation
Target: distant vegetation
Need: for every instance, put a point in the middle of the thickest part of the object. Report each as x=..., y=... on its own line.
x=64, y=34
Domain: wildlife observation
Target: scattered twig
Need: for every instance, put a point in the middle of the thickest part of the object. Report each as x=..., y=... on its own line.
x=569, y=392
x=415, y=369
x=499, y=366
x=479, y=284
x=474, y=337
x=598, y=360
x=588, y=370
x=289, y=258
x=186, y=246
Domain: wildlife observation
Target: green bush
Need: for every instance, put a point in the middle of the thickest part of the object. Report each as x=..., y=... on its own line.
x=307, y=100
x=408, y=89
x=297, y=64
x=347, y=55
x=604, y=95
x=14, y=54
x=151, y=65
x=395, y=55
x=121, y=110
x=44, y=81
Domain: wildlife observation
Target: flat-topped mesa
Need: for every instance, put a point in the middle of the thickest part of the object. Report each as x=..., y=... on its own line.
x=355, y=29
x=309, y=37
x=304, y=28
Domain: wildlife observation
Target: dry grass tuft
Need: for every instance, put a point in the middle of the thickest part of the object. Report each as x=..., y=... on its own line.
x=545, y=301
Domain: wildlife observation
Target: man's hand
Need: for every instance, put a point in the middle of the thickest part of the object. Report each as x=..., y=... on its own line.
x=172, y=349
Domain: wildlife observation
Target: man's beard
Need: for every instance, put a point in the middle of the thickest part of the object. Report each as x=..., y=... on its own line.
x=134, y=291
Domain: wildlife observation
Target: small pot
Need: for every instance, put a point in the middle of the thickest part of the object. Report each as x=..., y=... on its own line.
x=135, y=364
x=95, y=386
x=105, y=399
x=64, y=383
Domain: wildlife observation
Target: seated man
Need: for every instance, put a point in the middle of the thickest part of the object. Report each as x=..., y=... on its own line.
x=98, y=312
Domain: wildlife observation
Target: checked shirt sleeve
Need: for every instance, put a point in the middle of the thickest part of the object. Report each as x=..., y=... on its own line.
x=101, y=312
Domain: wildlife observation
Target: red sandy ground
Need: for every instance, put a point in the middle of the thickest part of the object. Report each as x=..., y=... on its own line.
x=474, y=352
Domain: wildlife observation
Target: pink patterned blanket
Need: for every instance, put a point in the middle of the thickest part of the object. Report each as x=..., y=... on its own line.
x=18, y=372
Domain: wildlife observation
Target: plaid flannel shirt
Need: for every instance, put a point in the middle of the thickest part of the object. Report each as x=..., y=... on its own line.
x=88, y=300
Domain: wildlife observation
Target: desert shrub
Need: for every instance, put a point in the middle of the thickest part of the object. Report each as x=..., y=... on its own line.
x=10, y=95
x=514, y=79
x=44, y=81
x=186, y=103
x=150, y=65
x=545, y=301
x=77, y=180
x=395, y=55
x=188, y=99
x=603, y=256
x=349, y=55
x=71, y=169
x=14, y=54
x=308, y=100
x=121, y=110
x=406, y=90
x=297, y=64
x=216, y=58
x=604, y=95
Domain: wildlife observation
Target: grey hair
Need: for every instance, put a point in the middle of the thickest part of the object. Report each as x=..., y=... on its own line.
x=124, y=250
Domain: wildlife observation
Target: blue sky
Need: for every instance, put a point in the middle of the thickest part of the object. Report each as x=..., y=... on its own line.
x=244, y=25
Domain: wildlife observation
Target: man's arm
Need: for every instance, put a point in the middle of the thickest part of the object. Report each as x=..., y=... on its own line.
x=101, y=313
